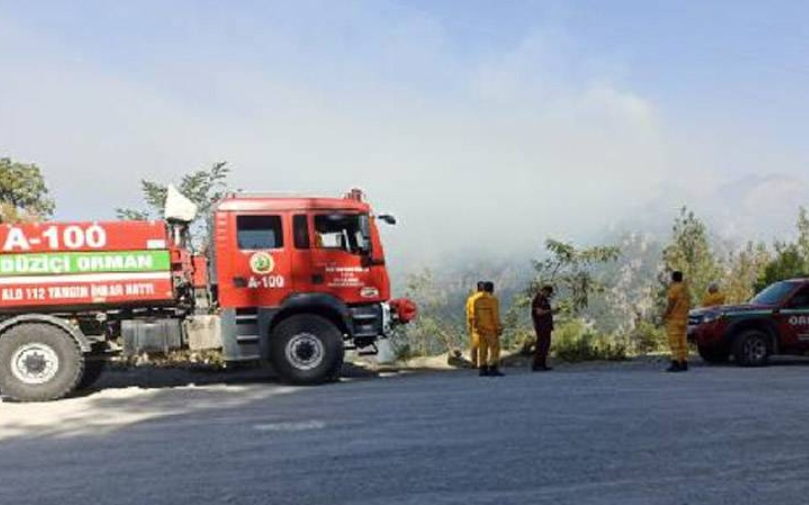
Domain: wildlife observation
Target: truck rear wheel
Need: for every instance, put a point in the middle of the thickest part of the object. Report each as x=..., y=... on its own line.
x=714, y=354
x=307, y=349
x=38, y=362
x=751, y=348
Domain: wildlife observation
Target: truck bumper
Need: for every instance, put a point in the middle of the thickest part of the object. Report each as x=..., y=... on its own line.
x=706, y=335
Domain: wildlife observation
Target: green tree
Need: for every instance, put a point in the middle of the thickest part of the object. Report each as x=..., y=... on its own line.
x=23, y=192
x=791, y=259
x=787, y=263
x=203, y=187
x=803, y=236
x=689, y=251
x=572, y=272
x=438, y=328
x=745, y=267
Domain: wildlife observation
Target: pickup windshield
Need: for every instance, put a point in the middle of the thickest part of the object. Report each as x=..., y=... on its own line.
x=775, y=293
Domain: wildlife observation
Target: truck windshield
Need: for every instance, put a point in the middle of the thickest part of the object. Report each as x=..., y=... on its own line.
x=347, y=232
x=775, y=293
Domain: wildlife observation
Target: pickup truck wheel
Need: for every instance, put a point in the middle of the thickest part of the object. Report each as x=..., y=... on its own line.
x=714, y=354
x=751, y=348
x=307, y=349
x=38, y=362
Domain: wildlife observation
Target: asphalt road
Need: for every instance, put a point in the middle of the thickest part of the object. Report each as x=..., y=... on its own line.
x=599, y=434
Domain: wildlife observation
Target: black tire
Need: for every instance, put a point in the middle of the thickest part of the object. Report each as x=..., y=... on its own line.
x=38, y=362
x=752, y=348
x=307, y=349
x=93, y=368
x=714, y=354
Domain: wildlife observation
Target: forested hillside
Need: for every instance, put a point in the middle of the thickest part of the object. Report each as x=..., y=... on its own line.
x=610, y=294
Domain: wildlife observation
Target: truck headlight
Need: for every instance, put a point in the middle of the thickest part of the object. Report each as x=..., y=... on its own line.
x=711, y=316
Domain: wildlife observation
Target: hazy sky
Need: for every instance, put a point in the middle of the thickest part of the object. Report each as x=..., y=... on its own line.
x=484, y=125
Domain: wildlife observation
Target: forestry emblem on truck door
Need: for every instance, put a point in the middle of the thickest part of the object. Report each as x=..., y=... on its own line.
x=261, y=263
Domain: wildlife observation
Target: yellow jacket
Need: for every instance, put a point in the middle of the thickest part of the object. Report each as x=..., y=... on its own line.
x=679, y=297
x=713, y=299
x=470, y=310
x=486, y=315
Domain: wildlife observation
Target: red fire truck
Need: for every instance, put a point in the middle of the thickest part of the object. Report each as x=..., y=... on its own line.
x=291, y=281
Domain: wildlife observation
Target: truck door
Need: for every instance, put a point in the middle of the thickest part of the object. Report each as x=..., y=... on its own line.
x=303, y=276
x=793, y=319
x=258, y=269
x=337, y=257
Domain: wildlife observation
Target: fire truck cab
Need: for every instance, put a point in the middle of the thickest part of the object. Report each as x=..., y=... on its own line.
x=295, y=278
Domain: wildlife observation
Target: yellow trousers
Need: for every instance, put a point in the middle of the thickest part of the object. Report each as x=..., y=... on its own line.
x=676, y=332
x=489, y=349
x=474, y=348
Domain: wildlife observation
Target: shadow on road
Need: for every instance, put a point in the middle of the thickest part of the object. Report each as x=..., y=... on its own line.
x=127, y=396
x=159, y=377
x=156, y=377
x=773, y=362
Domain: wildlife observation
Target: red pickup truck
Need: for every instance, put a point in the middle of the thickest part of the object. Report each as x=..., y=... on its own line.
x=775, y=321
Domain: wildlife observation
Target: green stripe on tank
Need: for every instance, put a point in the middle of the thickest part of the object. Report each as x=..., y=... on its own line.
x=65, y=263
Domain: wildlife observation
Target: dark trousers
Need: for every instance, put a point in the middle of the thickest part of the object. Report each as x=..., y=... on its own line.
x=542, y=347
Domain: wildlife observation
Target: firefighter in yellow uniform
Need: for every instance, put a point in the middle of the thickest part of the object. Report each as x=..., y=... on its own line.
x=486, y=323
x=474, y=338
x=714, y=297
x=676, y=318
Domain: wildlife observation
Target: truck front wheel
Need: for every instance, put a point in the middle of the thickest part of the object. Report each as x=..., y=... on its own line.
x=307, y=349
x=751, y=348
x=38, y=362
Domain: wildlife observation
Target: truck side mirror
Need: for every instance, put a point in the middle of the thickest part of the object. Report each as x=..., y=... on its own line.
x=387, y=218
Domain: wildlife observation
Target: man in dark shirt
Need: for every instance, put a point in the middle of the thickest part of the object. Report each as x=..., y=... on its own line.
x=542, y=315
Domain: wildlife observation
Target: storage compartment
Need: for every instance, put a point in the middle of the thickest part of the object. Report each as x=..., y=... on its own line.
x=159, y=335
x=204, y=332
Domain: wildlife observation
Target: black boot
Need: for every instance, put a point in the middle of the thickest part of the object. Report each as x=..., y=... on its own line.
x=674, y=367
x=683, y=366
x=484, y=371
x=495, y=372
